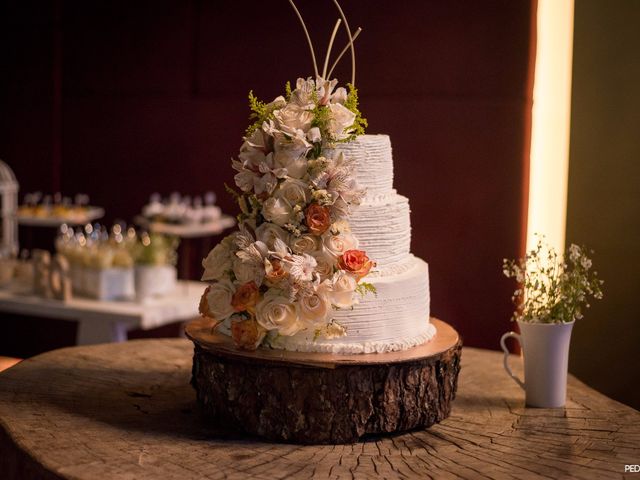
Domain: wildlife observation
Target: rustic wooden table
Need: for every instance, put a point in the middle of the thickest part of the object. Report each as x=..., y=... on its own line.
x=126, y=410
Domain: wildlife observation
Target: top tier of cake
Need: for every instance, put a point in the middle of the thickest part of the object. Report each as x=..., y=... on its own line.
x=374, y=163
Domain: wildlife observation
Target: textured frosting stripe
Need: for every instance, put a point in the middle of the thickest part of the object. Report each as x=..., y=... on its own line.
x=374, y=163
x=383, y=229
x=396, y=318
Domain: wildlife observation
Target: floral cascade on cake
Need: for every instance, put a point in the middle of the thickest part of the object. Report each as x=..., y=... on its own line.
x=317, y=201
x=294, y=258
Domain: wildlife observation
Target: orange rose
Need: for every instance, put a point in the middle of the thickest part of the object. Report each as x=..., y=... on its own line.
x=318, y=218
x=246, y=297
x=356, y=262
x=247, y=334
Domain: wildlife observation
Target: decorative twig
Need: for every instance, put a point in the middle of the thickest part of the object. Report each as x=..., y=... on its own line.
x=353, y=50
x=306, y=32
x=326, y=58
x=344, y=50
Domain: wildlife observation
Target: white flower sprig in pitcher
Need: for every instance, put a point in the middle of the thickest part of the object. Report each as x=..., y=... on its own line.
x=552, y=289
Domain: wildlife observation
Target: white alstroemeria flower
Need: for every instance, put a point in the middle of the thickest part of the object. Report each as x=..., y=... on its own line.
x=219, y=300
x=277, y=210
x=276, y=103
x=303, y=94
x=256, y=252
x=268, y=232
x=245, y=179
x=315, y=309
x=257, y=142
x=313, y=135
x=276, y=313
x=243, y=238
x=302, y=267
x=339, y=96
x=324, y=89
x=294, y=191
x=336, y=245
x=280, y=250
x=293, y=117
x=341, y=120
x=259, y=173
x=340, y=289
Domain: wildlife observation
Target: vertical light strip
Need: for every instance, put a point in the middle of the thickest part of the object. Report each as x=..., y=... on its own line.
x=551, y=118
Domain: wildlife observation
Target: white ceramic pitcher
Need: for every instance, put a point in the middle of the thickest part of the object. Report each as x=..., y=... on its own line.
x=546, y=359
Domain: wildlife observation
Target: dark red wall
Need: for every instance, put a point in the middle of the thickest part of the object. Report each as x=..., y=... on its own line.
x=120, y=99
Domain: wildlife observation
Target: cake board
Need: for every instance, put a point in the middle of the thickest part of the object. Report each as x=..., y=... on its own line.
x=323, y=398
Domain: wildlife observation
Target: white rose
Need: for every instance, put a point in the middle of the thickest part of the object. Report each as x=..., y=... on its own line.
x=247, y=271
x=336, y=245
x=219, y=300
x=267, y=233
x=304, y=244
x=341, y=118
x=217, y=262
x=294, y=191
x=325, y=263
x=277, y=210
x=315, y=309
x=294, y=117
x=275, y=312
x=340, y=289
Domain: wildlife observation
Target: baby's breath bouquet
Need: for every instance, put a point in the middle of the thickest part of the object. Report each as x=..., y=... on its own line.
x=553, y=289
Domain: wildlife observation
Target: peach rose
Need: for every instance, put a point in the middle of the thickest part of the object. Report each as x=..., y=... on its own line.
x=318, y=218
x=274, y=271
x=247, y=334
x=203, y=308
x=245, y=297
x=356, y=262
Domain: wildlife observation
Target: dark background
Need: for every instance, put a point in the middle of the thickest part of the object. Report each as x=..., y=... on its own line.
x=120, y=99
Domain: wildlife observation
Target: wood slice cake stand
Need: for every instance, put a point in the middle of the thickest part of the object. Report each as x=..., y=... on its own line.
x=320, y=397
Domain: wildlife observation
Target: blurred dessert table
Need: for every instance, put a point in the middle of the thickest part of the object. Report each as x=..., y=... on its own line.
x=127, y=411
x=87, y=216
x=102, y=321
x=188, y=230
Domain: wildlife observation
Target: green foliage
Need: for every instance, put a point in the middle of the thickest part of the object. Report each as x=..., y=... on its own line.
x=260, y=112
x=287, y=91
x=552, y=288
x=360, y=123
x=364, y=287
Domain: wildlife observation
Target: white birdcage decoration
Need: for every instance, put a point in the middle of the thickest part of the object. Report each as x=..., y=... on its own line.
x=8, y=210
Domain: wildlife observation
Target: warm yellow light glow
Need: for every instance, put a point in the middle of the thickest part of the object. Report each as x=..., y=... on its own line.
x=550, y=123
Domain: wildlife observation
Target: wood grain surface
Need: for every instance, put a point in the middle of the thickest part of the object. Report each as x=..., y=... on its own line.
x=127, y=411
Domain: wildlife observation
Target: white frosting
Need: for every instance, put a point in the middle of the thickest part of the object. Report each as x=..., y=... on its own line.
x=374, y=164
x=395, y=318
x=383, y=228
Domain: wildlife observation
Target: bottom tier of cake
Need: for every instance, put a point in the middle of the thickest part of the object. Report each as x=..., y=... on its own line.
x=395, y=318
